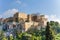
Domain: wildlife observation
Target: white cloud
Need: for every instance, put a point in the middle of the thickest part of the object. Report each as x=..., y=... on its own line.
x=52, y=18
x=23, y=4
x=18, y=1
x=9, y=13
x=0, y=16
x=46, y=16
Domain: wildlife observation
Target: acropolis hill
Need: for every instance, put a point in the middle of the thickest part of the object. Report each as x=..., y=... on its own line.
x=29, y=19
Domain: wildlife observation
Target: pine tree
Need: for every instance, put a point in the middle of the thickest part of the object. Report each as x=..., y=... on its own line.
x=49, y=33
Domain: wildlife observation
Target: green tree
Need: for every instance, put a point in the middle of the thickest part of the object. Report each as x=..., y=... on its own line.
x=57, y=37
x=53, y=23
x=11, y=37
x=49, y=33
x=55, y=26
x=4, y=38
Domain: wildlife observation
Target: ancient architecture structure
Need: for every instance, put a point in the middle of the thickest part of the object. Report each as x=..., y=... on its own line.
x=19, y=16
x=28, y=19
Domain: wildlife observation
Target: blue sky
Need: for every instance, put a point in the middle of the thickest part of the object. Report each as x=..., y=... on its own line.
x=51, y=8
